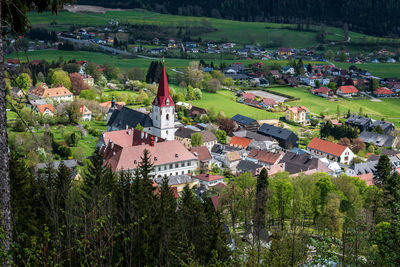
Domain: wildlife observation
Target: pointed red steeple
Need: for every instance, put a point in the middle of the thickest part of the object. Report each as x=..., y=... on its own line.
x=163, y=98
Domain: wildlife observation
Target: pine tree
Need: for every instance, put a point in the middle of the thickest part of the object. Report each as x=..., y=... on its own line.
x=382, y=171
x=261, y=198
x=167, y=225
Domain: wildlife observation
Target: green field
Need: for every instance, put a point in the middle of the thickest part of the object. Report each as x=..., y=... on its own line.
x=224, y=101
x=234, y=31
x=125, y=63
x=388, y=108
x=382, y=70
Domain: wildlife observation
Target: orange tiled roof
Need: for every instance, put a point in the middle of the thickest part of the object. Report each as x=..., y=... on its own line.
x=42, y=108
x=326, y=147
x=240, y=142
x=51, y=92
x=348, y=89
x=84, y=110
x=383, y=91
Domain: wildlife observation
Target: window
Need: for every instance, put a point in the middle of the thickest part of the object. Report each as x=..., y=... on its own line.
x=171, y=166
x=167, y=117
x=167, y=102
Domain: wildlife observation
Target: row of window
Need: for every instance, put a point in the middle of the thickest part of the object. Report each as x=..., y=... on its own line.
x=173, y=166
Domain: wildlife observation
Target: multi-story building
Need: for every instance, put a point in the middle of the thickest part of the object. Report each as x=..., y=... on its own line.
x=298, y=114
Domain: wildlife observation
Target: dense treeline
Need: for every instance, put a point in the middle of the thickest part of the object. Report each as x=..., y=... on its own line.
x=371, y=17
x=108, y=219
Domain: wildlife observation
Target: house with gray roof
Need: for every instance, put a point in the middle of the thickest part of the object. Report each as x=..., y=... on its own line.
x=286, y=138
x=387, y=127
x=360, y=122
x=382, y=140
x=246, y=123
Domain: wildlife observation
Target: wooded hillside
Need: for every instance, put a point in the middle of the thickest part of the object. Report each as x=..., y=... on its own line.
x=371, y=17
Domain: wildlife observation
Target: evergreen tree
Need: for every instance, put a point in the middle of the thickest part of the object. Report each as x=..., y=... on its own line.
x=167, y=226
x=382, y=171
x=261, y=197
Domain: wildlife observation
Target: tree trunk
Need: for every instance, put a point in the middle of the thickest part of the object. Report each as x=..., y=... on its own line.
x=5, y=207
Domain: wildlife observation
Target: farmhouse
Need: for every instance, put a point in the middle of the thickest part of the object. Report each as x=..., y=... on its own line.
x=323, y=91
x=58, y=94
x=330, y=150
x=383, y=92
x=86, y=113
x=347, y=91
x=45, y=109
x=268, y=103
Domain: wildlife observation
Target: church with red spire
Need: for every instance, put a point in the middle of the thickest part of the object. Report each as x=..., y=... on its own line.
x=162, y=114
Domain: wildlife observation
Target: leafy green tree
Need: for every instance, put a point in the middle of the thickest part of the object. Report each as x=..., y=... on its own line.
x=60, y=78
x=190, y=93
x=221, y=136
x=342, y=56
x=197, y=140
x=24, y=82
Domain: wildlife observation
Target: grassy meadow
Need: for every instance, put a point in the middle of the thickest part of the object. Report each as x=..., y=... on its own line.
x=388, y=108
x=224, y=101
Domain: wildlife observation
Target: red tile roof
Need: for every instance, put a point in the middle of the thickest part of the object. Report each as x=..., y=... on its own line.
x=240, y=142
x=348, y=89
x=42, y=108
x=322, y=90
x=265, y=156
x=108, y=104
x=269, y=101
x=367, y=177
x=84, y=110
x=298, y=109
x=51, y=92
x=383, y=91
x=249, y=96
x=128, y=158
x=129, y=137
x=326, y=147
x=208, y=177
x=201, y=153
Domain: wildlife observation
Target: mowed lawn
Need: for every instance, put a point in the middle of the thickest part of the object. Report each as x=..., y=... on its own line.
x=234, y=31
x=224, y=101
x=388, y=108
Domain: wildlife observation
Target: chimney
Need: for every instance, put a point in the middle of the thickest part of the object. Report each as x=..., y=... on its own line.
x=141, y=135
x=127, y=127
x=152, y=141
x=156, y=139
x=129, y=132
x=145, y=135
x=112, y=145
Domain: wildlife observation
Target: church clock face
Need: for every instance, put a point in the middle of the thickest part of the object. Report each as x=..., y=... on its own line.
x=167, y=102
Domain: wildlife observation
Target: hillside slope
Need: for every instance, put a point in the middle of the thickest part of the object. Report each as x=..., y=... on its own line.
x=375, y=17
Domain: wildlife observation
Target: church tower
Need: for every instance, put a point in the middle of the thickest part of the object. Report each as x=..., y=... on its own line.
x=163, y=111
